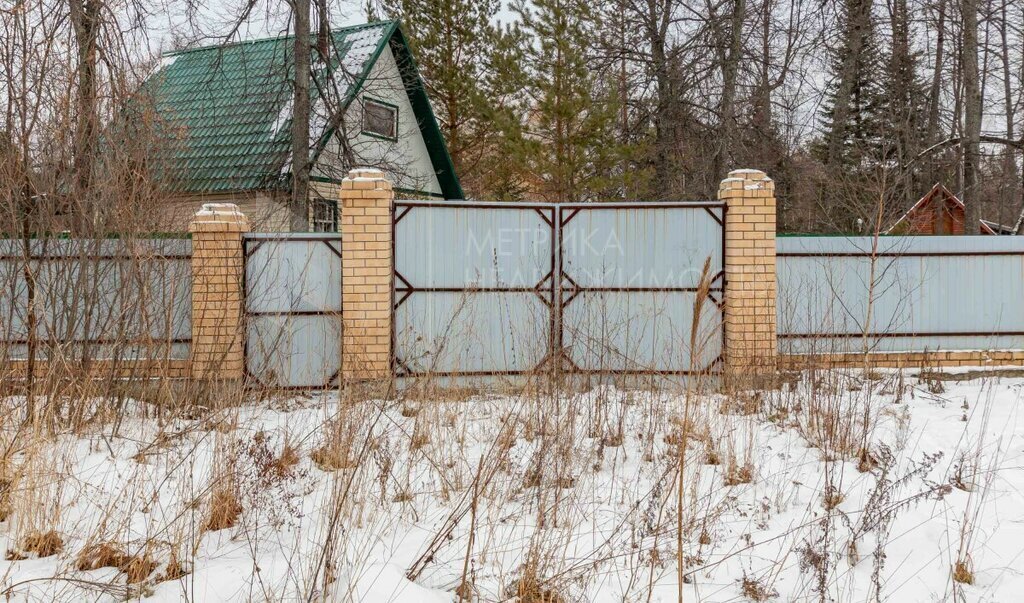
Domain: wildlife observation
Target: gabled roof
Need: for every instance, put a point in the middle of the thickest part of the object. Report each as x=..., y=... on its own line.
x=943, y=193
x=226, y=110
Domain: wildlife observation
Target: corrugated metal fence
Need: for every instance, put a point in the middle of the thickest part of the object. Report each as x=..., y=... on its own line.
x=115, y=298
x=489, y=288
x=911, y=294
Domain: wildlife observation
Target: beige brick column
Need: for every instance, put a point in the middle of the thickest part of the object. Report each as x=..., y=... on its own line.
x=367, y=205
x=750, y=336
x=218, y=292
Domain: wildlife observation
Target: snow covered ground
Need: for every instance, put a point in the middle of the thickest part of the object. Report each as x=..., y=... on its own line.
x=838, y=487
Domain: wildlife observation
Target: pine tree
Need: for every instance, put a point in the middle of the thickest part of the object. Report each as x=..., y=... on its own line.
x=465, y=61
x=571, y=148
x=903, y=112
x=853, y=105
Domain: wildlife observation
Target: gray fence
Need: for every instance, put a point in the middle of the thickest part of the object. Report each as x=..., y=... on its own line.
x=293, y=309
x=913, y=294
x=112, y=298
x=484, y=289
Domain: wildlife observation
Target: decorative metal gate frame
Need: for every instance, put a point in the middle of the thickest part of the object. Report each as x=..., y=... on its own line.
x=557, y=289
x=250, y=243
x=569, y=289
x=544, y=289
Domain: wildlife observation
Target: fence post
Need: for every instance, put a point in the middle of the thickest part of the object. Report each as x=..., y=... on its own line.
x=367, y=212
x=218, y=265
x=750, y=330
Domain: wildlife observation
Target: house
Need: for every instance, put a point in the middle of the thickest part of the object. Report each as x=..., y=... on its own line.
x=224, y=117
x=940, y=212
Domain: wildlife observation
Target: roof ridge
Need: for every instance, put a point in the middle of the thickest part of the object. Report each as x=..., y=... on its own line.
x=346, y=29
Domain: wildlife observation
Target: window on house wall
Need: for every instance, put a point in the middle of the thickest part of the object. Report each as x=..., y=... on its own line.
x=380, y=119
x=325, y=216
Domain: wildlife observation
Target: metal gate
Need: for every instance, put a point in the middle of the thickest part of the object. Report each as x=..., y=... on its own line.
x=293, y=310
x=514, y=288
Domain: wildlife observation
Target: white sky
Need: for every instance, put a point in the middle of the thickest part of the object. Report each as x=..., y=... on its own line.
x=215, y=19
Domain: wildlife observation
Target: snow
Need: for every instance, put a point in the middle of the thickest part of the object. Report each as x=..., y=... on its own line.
x=601, y=527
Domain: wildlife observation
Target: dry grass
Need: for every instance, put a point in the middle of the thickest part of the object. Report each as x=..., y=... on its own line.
x=679, y=468
x=225, y=509
x=963, y=572
x=37, y=544
x=100, y=555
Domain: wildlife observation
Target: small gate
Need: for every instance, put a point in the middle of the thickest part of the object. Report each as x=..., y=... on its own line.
x=293, y=310
x=514, y=288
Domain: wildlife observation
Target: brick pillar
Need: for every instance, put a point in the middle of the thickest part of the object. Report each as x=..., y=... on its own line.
x=218, y=292
x=367, y=205
x=750, y=336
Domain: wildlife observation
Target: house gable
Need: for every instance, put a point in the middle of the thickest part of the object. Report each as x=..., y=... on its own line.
x=417, y=158
x=939, y=212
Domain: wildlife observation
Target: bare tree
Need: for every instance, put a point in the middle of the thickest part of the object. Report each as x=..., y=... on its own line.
x=972, y=115
x=300, y=116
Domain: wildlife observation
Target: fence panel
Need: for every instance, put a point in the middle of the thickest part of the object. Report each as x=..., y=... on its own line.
x=629, y=277
x=293, y=309
x=118, y=299
x=473, y=287
x=925, y=294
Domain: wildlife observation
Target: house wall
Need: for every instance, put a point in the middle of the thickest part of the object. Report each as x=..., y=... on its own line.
x=266, y=212
x=405, y=161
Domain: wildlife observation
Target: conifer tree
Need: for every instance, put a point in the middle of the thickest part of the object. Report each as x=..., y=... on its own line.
x=853, y=103
x=470, y=67
x=903, y=111
x=571, y=148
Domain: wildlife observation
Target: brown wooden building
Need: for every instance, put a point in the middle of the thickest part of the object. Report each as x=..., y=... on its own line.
x=940, y=212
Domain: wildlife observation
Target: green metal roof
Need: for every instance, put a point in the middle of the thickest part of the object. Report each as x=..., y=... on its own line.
x=225, y=111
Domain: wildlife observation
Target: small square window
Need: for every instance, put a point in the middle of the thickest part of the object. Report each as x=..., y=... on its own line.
x=325, y=216
x=380, y=119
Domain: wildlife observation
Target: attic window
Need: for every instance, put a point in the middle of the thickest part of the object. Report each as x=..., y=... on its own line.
x=380, y=119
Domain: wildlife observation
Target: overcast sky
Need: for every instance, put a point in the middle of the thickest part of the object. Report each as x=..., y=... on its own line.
x=176, y=22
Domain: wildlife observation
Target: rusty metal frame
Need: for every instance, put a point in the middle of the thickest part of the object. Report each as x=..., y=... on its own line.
x=250, y=243
x=550, y=289
x=95, y=258
x=892, y=254
x=892, y=335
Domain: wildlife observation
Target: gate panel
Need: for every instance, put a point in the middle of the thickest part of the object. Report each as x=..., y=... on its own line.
x=473, y=287
x=629, y=278
x=499, y=288
x=293, y=309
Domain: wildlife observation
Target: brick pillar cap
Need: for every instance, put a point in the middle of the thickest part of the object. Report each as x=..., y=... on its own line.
x=749, y=174
x=365, y=173
x=219, y=217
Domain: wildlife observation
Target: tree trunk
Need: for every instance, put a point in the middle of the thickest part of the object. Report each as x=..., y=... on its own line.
x=665, y=115
x=727, y=110
x=1010, y=154
x=935, y=90
x=972, y=116
x=300, y=118
x=84, y=16
x=323, y=35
